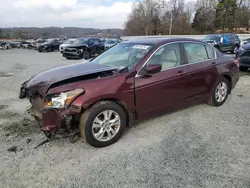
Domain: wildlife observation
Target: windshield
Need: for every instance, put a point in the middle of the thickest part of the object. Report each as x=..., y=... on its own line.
x=212, y=37
x=81, y=41
x=110, y=41
x=125, y=55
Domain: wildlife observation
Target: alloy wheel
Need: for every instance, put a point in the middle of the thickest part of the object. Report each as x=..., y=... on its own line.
x=106, y=125
x=221, y=92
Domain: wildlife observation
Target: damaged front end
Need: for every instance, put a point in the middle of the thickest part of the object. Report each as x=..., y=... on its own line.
x=54, y=111
x=55, y=116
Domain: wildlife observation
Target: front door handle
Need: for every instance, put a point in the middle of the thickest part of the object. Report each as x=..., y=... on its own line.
x=180, y=72
x=213, y=64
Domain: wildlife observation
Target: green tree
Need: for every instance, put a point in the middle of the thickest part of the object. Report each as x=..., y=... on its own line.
x=225, y=14
x=203, y=20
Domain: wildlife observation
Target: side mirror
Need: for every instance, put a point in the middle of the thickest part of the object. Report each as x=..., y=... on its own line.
x=151, y=69
x=154, y=68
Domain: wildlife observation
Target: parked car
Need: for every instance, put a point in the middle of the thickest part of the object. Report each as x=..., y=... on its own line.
x=224, y=42
x=66, y=44
x=5, y=45
x=50, y=45
x=110, y=43
x=84, y=48
x=132, y=81
x=245, y=41
x=243, y=56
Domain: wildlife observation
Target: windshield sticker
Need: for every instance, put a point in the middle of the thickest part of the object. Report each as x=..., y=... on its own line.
x=143, y=47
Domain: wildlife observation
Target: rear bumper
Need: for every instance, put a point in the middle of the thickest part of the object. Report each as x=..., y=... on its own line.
x=244, y=61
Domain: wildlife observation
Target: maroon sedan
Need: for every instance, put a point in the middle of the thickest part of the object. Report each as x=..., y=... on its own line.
x=132, y=81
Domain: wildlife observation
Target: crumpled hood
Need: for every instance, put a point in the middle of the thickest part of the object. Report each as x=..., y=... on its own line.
x=76, y=45
x=43, y=80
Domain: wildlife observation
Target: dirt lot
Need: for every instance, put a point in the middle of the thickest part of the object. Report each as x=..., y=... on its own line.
x=202, y=146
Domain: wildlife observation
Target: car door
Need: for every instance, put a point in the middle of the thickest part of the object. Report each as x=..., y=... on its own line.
x=225, y=43
x=162, y=91
x=202, y=71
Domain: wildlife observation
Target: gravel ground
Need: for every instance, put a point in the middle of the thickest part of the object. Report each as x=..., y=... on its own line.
x=202, y=146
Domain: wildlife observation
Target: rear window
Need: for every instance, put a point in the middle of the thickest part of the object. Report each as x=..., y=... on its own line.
x=236, y=37
x=212, y=37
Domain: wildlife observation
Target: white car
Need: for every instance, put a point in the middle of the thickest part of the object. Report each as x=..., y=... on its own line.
x=65, y=44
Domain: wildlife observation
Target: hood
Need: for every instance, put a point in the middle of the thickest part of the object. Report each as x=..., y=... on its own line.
x=76, y=45
x=42, y=81
x=246, y=46
x=109, y=45
x=65, y=45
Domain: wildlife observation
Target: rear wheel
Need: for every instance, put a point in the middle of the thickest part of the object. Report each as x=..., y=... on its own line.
x=103, y=124
x=243, y=68
x=220, y=92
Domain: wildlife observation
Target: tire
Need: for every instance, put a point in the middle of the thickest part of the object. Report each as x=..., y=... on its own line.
x=89, y=116
x=40, y=50
x=48, y=50
x=86, y=54
x=243, y=68
x=234, y=50
x=68, y=58
x=213, y=99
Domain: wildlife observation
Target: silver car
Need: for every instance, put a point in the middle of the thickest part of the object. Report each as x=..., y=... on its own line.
x=66, y=44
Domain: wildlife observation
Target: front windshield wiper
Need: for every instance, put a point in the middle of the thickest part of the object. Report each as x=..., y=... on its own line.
x=123, y=69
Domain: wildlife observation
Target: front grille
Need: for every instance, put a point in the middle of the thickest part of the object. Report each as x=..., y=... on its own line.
x=70, y=50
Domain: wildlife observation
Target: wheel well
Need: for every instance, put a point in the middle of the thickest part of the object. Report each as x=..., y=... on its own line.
x=129, y=116
x=230, y=82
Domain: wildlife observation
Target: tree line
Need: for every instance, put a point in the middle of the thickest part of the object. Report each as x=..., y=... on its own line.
x=154, y=17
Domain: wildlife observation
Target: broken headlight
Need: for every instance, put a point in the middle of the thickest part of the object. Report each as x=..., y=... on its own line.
x=63, y=99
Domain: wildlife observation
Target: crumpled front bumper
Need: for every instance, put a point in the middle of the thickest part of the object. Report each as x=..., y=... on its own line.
x=48, y=119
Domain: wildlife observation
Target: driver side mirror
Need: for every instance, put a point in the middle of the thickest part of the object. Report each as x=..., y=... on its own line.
x=151, y=69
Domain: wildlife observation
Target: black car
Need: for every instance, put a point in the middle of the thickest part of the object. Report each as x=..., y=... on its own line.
x=243, y=56
x=50, y=45
x=84, y=48
x=4, y=45
x=224, y=42
x=109, y=43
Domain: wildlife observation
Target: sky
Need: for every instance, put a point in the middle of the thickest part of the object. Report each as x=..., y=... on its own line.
x=65, y=13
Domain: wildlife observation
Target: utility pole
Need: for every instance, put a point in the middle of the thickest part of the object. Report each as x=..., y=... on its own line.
x=171, y=22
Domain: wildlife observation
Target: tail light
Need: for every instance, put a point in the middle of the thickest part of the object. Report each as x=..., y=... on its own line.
x=236, y=61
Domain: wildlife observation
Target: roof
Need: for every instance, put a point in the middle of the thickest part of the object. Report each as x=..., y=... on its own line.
x=157, y=40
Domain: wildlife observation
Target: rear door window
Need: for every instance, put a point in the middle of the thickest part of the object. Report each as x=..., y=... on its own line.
x=195, y=52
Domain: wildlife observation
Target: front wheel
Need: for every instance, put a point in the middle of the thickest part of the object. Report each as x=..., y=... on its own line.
x=234, y=50
x=220, y=93
x=86, y=54
x=103, y=124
